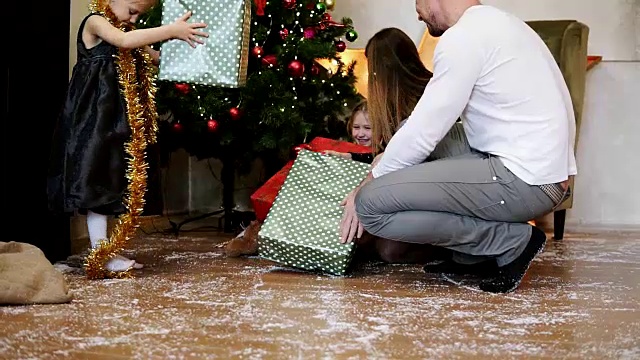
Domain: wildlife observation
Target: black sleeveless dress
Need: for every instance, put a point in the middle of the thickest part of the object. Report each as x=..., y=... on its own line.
x=88, y=165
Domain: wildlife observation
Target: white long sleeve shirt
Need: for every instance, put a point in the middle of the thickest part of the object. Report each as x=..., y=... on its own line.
x=496, y=74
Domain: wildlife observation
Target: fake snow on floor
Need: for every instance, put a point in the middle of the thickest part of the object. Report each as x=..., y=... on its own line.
x=192, y=302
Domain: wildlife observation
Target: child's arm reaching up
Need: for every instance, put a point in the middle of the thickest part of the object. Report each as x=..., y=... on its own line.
x=99, y=28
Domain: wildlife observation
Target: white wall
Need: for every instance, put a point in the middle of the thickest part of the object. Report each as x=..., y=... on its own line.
x=613, y=23
x=607, y=192
x=369, y=16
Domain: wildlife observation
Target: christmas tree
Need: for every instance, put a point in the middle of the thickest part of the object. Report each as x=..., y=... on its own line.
x=288, y=99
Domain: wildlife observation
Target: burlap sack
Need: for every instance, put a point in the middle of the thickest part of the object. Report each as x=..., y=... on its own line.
x=27, y=277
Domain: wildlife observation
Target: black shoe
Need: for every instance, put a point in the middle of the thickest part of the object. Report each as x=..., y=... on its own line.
x=483, y=269
x=511, y=274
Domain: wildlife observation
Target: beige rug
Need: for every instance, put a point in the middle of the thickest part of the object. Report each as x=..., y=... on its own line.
x=27, y=277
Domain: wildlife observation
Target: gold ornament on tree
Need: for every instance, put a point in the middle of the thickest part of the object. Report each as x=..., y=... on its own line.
x=136, y=78
x=330, y=4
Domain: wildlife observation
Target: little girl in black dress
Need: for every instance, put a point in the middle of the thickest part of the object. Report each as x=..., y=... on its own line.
x=88, y=164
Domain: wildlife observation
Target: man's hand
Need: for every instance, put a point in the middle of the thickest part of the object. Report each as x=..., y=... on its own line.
x=376, y=160
x=350, y=226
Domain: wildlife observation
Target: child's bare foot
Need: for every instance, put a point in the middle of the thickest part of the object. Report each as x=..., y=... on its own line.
x=136, y=266
x=119, y=263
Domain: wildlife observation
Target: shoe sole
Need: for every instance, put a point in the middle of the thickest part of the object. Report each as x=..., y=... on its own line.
x=517, y=284
x=436, y=271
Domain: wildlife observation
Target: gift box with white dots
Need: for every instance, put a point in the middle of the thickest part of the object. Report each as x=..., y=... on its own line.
x=222, y=59
x=302, y=228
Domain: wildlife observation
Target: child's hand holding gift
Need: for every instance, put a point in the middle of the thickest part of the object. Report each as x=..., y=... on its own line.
x=337, y=153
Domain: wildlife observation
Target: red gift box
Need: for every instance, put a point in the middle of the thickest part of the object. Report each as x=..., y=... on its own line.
x=263, y=198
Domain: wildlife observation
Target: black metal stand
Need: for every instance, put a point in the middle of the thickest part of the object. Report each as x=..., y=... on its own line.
x=175, y=227
x=229, y=214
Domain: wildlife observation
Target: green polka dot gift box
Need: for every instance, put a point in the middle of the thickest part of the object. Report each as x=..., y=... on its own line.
x=222, y=59
x=302, y=228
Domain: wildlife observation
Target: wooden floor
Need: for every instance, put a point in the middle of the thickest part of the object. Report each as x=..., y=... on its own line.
x=580, y=300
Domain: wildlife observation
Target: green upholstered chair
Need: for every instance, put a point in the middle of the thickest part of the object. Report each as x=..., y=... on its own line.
x=567, y=40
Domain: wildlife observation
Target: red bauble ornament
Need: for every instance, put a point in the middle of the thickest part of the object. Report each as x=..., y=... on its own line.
x=296, y=68
x=235, y=113
x=257, y=51
x=260, y=4
x=289, y=4
x=315, y=69
x=309, y=33
x=341, y=46
x=326, y=17
x=269, y=60
x=177, y=127
x=284, y=33
x=212, y=125
x=183, y=88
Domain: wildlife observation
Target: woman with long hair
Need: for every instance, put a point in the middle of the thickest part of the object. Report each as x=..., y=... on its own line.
x=397, y=79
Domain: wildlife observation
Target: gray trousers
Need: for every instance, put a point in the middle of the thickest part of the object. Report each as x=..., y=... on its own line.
x=458, y=199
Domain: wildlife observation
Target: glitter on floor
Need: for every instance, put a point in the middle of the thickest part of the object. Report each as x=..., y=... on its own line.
x=580, y=300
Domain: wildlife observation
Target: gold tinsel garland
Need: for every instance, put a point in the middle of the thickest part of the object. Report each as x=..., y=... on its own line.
x=136, y=78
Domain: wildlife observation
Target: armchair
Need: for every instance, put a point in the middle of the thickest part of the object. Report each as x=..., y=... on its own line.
x=567, y=40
